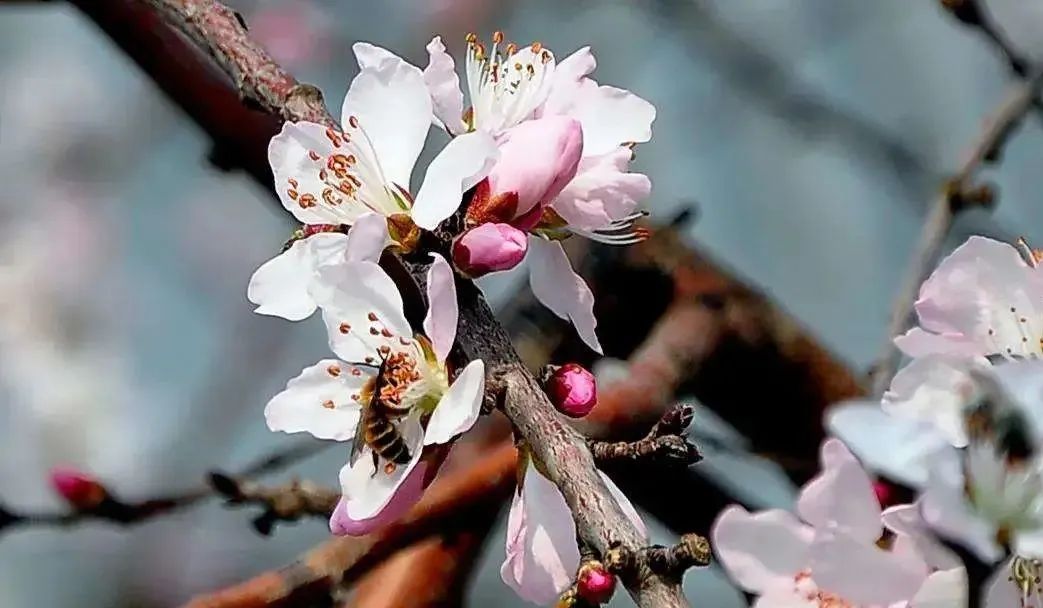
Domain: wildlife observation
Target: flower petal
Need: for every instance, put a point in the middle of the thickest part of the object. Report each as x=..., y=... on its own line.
x=602, y=191
x=373, y=57
x=367, y=238
x=407, y=495
x=318, y=401
x=894, y=446
x=905, y=521
x=561, y=290
x=934, y=389
x=442, y=311
x=393, y=108
x=944, y=507
x=860, y=572
x=624, y=504
x=458, y=409
x=566, y=84
x=611, y=117
x=944, y=589
x=444, y=84
x=282, y=286
x=361, y=303
x=841, y=496
x=297, y=173
x=1001, y=592
x=761, y=551
x=368, y=491
x=542, y=555
x=464, y=162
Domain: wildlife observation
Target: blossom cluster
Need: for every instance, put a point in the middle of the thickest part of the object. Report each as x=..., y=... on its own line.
x=541, y=154
x=960, y=428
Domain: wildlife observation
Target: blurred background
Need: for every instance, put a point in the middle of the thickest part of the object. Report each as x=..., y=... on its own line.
x=810, y=135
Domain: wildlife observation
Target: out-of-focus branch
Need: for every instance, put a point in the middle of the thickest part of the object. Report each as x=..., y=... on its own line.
x=958, y=193
x=287, y=502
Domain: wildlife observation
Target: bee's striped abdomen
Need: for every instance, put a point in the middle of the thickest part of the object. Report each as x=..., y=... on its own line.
x=384, y=438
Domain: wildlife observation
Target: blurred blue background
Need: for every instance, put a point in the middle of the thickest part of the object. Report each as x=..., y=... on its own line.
x=812, y=134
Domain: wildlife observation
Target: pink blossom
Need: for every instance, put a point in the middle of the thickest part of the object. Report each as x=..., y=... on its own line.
x=831, y=557
x=573, y=390
x=404, y=497
x=489, y=248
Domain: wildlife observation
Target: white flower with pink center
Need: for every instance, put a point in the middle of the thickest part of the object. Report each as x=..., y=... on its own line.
x=368, y=331
x=831, y=559
x=329, y=176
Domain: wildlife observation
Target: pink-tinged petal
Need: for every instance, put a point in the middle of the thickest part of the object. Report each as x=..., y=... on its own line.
x=318, y=401
x=407, y=495
x=893, y=446
x=537, y=159
x=944, y=507
x=566, y=84
x=284, y=285
x=362, y=309
x=611, y=117
x=542, y=555
x=297, y=174
x=444, y=84
x=943, y=589
x=464, y=162
x=392, y=105
x=458, y=409
x=624, y=504
x=919, y=343
x=761, y=551
x=560, y=289
x=785, y=598
x=369, y=490
x=373, y=57
x=1029, y=543
x=489, y=248
x=602, y=191
x=841, y=496
x=906, y=522
x=861, y=572
x=442, y=311
x=935, y=390
x=367, y=238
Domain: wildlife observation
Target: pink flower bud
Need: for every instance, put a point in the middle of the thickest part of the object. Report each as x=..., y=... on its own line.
x=537, y=159
x=573, y=390
x=489, y=248
x=595, y=584
x=78, y=488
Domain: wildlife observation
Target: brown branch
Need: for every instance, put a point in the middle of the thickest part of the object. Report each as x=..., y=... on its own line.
x=287, y=502
x=958, y=193
x=691, y=550
x=563, y=451
x=664, y=444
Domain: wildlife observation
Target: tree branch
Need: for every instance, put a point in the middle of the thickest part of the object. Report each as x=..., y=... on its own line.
x=287, y=502
x=958, y=193
x=664, y=444
x=599, y=520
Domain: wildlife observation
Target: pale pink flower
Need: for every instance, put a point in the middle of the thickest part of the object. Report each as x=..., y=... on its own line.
x=407, y=495
x=489, y=248
x=542, y=556
x=830, y=558
x=326, y=176
x=983, y=299
x=363, y=312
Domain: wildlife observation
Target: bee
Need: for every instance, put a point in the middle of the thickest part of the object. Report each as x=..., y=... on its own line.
x=376, y=427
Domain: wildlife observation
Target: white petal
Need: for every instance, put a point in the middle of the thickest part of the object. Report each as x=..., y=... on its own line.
x=894, y=446
x=785, y=598
x=459, y=408
x=945, y=508
x=841, y=496
x=286, y=286
x=624, y=504
x=358, y=293
x=861, y=572
x=444, y=84
x=905, y=521
x=542, y=555
x=393, y=107
x=611, y=117
x=297, y=173
x=367, y=238
x=318, y=401
x=442, y=311
x=602, y=191
x=561, y=290
x=934, y=389
x=944, y=589
x=372, y=57
x=464, y=162
x=569, y=76
x=761, y=551
x=368, y=490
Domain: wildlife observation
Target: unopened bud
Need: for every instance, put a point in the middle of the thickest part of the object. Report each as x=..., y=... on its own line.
x=573, y=390
x=78, y=488
x=594, y=583
x=489, y=248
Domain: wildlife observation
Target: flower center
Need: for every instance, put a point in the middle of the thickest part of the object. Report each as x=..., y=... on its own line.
x=506, y=84
x=1016, y=335
x=1025, y=575
x=805, y=586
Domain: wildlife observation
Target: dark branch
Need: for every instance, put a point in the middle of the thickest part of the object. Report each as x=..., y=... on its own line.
x=287, y=502
x=664, y=444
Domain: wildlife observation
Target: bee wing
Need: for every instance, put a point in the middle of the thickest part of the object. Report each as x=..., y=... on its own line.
x=359, y=440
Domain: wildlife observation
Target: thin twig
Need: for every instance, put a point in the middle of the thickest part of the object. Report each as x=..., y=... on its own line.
x=664, y=444
x=287, y=502
x=957, y=194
